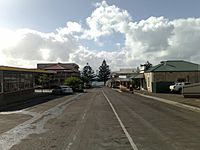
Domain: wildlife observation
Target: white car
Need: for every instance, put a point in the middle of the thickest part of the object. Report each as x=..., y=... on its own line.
x=177, y=87
x=62, y=89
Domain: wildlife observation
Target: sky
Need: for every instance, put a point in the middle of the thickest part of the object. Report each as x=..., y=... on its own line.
x=124, y=33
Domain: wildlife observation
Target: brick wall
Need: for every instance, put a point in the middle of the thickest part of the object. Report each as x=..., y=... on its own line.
x=192, y=77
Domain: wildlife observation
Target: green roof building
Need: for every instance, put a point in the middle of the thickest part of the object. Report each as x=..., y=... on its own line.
x=174, y=66
x=159, y=77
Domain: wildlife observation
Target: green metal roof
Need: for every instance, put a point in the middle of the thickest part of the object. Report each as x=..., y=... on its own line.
x=174, y=66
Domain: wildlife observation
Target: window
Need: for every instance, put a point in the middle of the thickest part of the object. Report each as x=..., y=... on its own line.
x=21, y=81
x=15, y=81
x=28, y=81
x=11, y=82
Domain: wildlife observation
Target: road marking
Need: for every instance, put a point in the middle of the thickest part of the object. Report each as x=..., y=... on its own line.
x=133, y=145
x=77, y=131
x=192, y=108
x=34, y=125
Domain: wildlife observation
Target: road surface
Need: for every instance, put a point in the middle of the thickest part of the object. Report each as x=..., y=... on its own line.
x=101, y=119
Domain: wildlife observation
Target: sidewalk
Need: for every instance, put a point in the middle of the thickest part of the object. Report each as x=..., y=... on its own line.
x=173, y=97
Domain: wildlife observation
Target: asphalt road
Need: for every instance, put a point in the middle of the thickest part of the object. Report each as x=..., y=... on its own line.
x=101, y=119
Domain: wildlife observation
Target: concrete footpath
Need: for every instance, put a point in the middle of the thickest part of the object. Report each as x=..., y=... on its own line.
x=173, y=99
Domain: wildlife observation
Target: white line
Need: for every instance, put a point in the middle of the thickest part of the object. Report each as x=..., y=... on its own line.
x=77, y=132
x=133, y=145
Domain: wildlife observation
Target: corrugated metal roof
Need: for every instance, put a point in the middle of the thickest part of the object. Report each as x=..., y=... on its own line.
x=55, y=67
x=174, y=66
x=58, y=66
x=8, y=68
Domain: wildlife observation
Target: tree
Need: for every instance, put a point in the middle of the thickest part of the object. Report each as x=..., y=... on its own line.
x=44, y=80
x=104, y=72
x=73, y=82
x=87, y=73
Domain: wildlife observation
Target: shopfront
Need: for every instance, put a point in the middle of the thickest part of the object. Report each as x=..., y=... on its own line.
x=16, y=84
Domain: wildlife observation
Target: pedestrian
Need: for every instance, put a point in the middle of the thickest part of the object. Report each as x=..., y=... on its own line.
x=131, y=89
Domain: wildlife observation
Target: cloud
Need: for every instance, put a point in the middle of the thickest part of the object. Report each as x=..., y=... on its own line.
x=83, y=55
x=153, y=39
x=184, y=44
x=148, y=39
x=71, y=28
x=105, y=20
x=37, y=46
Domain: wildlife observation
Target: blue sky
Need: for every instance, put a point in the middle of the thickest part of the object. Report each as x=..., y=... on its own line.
x=47, y=15
x=64, y=30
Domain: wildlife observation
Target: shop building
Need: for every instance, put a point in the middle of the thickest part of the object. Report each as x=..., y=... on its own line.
x=17, y=84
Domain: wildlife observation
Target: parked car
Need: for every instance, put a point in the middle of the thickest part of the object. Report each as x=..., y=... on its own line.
x=177, y=87
x=62, y=89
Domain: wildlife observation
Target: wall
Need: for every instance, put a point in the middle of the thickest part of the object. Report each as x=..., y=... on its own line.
x=14, y=97
x=192, y=77
x=15, y=86
x=149, y=78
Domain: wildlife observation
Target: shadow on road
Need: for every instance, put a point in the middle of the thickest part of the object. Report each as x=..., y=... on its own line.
x=39, y=99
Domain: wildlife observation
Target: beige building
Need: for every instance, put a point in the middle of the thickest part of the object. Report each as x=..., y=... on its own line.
x=159, y=77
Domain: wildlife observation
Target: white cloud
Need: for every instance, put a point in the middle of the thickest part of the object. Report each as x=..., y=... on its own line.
x=45, y=53
x=148, y=39
x=95, y=58
x=36, y=46
x=153, y=39
x=184, y=44
x=157, y=39
x=105, y=20
x=72, y=27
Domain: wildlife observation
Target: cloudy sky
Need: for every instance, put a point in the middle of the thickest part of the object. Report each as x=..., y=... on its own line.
x=124, y=33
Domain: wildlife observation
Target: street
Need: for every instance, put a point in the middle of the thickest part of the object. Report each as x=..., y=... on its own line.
x=100, y=119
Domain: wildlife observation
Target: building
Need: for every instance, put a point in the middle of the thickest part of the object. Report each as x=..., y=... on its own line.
x=63, y=71
x=17, y=84
x=123, y=77
x=159, y=77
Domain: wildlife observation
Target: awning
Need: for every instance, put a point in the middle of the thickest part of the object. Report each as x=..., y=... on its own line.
x=123, y=79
